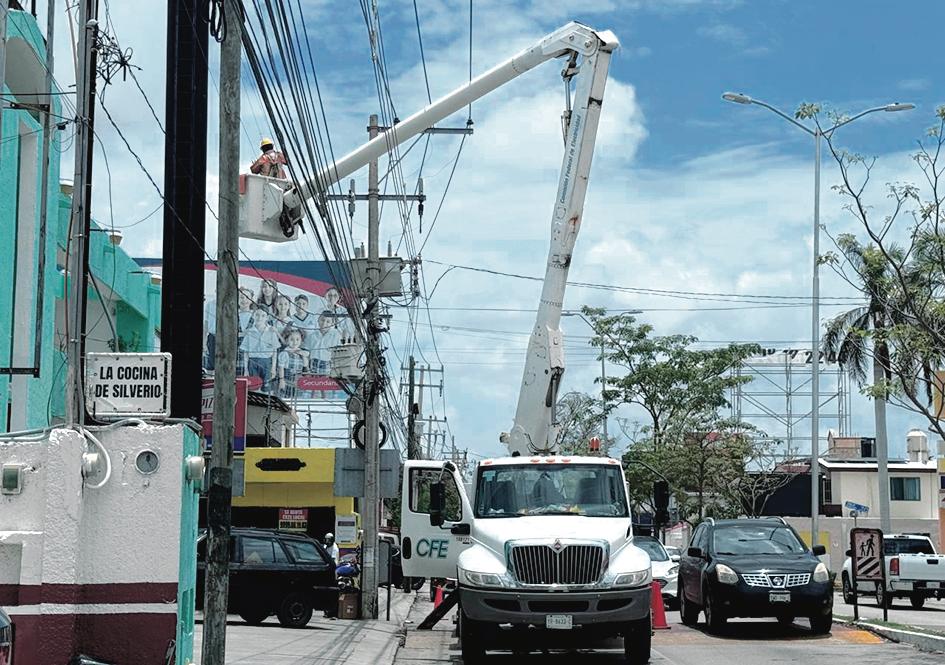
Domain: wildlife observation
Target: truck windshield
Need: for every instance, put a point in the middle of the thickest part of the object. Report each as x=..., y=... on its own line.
x=907, y=546
x=591, y=490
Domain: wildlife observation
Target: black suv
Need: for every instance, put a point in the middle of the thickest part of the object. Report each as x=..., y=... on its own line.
x=753, y=568
x=275, y=572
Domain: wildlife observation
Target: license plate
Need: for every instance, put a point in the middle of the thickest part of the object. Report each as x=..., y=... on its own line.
x=559, y=622
x=779, y=596
x=934, y=585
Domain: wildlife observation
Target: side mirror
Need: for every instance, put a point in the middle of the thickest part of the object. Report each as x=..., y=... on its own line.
x=819, y=550
x=674, y=558
x=694, y=552
x=437, y=504
x=461, y=530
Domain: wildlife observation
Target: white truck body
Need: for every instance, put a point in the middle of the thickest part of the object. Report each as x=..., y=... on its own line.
x=913, y=570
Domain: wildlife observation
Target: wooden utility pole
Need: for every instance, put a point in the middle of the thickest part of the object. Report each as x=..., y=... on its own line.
x=77, y=269
x=373, y=376
x=220, y=491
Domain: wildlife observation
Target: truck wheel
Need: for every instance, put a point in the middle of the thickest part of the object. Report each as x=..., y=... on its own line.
x=917, y=601
x=821, y=624
x=847, y=590
x=471, y=639
x=636, y=642
x=883, y=599
x=688, y=612
x=295, y=611
x=254, y=615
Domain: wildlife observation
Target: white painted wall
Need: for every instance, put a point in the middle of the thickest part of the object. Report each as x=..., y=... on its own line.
x=863, y=487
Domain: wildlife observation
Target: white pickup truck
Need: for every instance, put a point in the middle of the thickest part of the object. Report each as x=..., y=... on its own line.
x=913, y=571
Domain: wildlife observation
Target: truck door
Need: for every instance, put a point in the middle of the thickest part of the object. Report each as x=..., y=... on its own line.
x=427, y=550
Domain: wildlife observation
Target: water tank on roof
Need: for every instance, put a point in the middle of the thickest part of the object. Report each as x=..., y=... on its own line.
x=917, y=445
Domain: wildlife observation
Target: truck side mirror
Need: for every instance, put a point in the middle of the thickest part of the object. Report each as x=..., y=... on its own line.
x=819, y=550
x=437, y=503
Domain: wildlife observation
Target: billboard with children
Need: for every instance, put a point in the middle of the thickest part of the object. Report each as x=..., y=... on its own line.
x=291, y=314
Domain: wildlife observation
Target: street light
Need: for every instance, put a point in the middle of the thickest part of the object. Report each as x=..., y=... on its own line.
x=603, y=369
x=881, y=447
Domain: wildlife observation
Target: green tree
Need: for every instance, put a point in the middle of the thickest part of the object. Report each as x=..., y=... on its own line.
x=581, y=417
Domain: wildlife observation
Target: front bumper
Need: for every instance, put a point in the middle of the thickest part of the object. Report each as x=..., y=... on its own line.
x=741, y=600
x=500, y=606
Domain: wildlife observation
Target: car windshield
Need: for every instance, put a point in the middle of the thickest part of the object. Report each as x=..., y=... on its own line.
x=756, y=539
x=591, y=490
x=907, y=546
x=651, y=547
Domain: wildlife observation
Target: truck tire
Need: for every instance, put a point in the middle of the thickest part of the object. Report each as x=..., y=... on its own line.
x=847, y=590
x=636, y=642
x=295, y=610
x=917, y=600
x=688, y=613
x=883, y=598
x=471, y=639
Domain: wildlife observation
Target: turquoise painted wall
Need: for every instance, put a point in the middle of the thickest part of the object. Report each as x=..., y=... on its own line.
x=187, y=584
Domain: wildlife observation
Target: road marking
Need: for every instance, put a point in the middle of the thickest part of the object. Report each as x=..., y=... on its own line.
x=857, y=636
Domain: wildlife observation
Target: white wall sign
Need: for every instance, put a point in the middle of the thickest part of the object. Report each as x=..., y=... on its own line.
x=774, y=356
x=123, y=385
x=346, y=529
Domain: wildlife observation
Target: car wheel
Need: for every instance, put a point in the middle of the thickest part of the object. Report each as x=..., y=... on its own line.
x=295, y=611
x=254, y=616
x=917, y=601
x=714, y=617
x=636, y=642
x=883, y=599
x=471, y=642
x=786, y=620
x=688, y=612
x=847, y=590
x=821, y=623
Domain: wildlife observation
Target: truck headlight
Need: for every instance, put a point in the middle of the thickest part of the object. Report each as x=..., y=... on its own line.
x=821, y=574
x=472, y=578
x=725, y=574
x=637, y=578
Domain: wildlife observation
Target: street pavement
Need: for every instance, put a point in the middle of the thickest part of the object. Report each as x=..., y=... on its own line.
x=323, y=641
x=931, y=617
x=750, y=642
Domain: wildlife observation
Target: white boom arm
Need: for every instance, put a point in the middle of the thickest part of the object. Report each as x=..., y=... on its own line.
x=544, y=365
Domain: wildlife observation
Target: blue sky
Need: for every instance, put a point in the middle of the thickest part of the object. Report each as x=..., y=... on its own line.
x=687, y=193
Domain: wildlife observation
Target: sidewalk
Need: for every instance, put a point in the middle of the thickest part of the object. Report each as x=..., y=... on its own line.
x=428, y=646
x=323, y=641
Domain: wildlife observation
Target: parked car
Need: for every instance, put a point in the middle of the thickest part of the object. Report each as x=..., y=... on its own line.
x=753, y=568
x=275, y=572
x=913, y=571
x=665, y=570
x=6, y=639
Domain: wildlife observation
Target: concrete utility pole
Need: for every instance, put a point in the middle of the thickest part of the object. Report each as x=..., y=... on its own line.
x=220, y=493
x=411, y=414
x=185, y=194
x=80, y=223
x=372, y=377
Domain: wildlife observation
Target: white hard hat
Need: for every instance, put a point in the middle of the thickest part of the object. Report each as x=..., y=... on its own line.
x=329, y=535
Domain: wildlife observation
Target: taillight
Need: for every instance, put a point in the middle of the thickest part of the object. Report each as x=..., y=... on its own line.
x=894, y=566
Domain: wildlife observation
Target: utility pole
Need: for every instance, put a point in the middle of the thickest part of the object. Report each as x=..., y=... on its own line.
x=411, y=413
x=4, y=12
x=372, y=377
x=220, y=491
x=603, y=388
x=81, y=216
x=185, y=194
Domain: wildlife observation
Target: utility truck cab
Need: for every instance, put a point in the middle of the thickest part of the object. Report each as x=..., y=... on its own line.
x=544, y=543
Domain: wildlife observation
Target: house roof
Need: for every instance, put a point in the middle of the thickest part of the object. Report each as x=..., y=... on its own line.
x=871, y=465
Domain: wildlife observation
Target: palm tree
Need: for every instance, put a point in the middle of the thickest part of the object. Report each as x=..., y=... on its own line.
x=855, y=336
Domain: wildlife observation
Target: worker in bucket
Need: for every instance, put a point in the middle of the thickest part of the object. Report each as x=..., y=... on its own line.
x=270, y=162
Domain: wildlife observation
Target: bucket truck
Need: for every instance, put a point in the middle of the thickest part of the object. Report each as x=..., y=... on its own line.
x=542, y=543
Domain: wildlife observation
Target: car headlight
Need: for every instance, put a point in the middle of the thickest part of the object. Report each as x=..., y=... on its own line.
x=725, y=574
x=636, y=578
x=673, y=571
x=821, y=574
x=472, y=578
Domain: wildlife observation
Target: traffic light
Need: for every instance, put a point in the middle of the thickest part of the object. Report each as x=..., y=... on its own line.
x=661, y=502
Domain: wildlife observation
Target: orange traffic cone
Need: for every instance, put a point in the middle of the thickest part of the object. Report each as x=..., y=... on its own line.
x=438, y=596
x=659, y=612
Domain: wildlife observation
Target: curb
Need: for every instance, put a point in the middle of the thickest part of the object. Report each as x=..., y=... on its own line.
x=922, y=641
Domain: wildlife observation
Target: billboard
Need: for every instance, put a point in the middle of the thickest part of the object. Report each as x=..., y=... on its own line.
x=239, y=414
x=291, y=314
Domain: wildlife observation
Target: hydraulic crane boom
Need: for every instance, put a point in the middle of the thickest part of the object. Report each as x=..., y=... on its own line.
x=589, y=52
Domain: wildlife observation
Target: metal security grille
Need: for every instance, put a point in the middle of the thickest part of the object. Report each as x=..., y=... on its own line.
x=775, y=580
x=543, y=564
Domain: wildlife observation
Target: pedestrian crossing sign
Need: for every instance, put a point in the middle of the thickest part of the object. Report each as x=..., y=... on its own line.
x=866, y=547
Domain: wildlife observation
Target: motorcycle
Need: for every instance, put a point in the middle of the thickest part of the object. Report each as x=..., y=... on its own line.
x=347, y=572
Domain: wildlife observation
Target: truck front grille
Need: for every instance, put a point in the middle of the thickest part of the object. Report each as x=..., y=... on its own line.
x=557, y=564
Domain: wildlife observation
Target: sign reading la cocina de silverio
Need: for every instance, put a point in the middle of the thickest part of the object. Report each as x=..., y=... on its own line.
x=122, y=385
